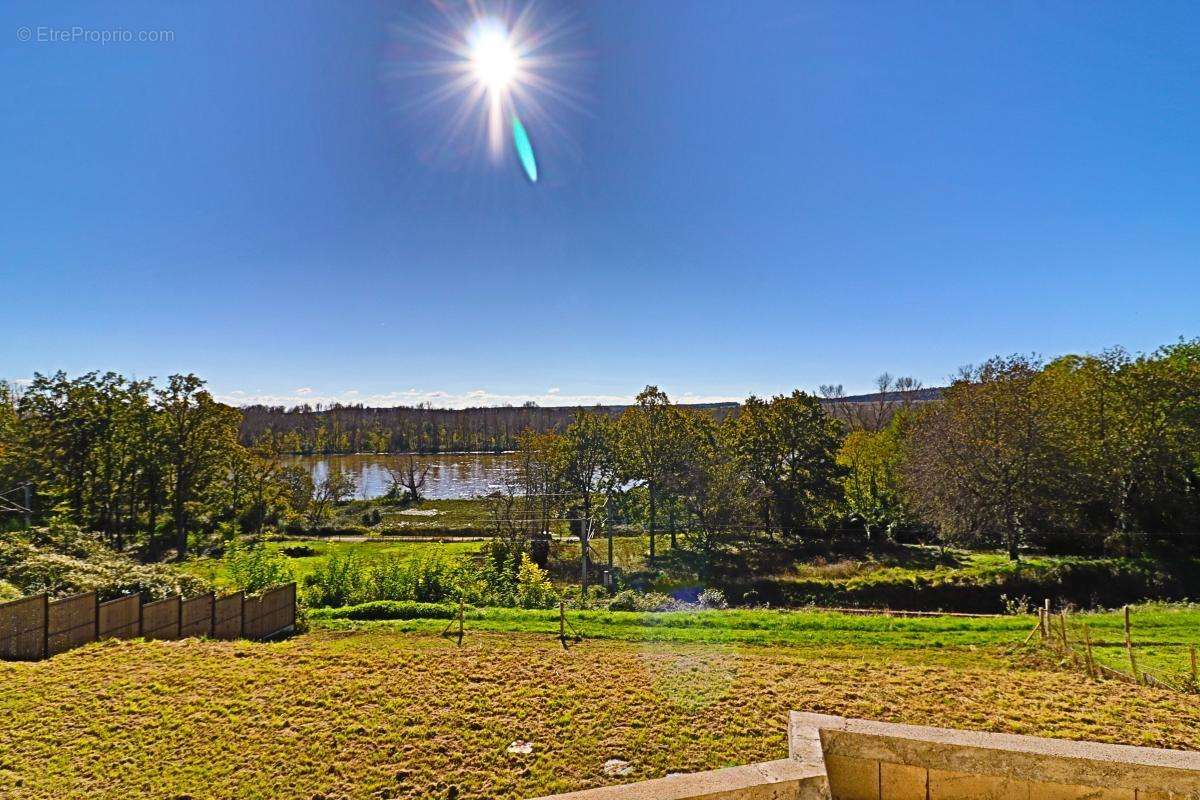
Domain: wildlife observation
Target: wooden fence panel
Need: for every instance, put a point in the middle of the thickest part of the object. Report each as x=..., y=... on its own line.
x=72, y=623
x=120, y=618
x=33, y=628
x=160, y=619
x=227, y=616
x=271, y=613
x=23, y=628
x=196, y=616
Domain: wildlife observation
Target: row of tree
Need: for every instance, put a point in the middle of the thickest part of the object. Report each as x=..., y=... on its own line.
x=1014, y=450
x=1079, y=450
x=349, y=428
x=144, y=464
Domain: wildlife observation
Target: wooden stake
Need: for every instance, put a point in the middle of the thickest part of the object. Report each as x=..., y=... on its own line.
x=1062, y=621
x=1129, y=647
x=461, y=605
x=1195, y=672
x=1091, y=661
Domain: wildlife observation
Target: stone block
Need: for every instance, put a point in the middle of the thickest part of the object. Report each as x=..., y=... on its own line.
x=853, y=778
x=902, y=782
x=950, y=785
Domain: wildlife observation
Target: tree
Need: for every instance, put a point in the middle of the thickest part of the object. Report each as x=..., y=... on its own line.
x=585, y=461
x=337, y=486
x=984, y=465
x=651, y=447
x=196, y=432
x=789, y=447
x=713, y=488
x=1130, y=428
x=872, y=482
x=408, y=479
x=296, y=488
x=538, y=479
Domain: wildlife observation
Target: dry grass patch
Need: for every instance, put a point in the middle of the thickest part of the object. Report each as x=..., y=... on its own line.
x=376, y=714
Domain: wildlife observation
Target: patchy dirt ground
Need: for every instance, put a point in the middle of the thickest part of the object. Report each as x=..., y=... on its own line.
x=376, y=714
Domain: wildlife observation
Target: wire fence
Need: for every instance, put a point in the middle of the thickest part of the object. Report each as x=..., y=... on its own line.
x=1071, y=637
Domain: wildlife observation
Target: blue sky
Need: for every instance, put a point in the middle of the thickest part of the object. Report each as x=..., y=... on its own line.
x=742, y=197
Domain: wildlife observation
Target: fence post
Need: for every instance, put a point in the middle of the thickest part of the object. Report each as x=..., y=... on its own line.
x=1091, y=662
x=562, y=621
x=1129, y=647
x=461, y=613
x=1195, y=672
x=45, y=625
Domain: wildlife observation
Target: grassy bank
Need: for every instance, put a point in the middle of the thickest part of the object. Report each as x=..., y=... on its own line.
x=376, y=713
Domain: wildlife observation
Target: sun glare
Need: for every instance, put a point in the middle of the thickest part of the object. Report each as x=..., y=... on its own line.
x=493, y=60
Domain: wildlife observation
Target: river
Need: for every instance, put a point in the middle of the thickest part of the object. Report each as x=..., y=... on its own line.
x=452, y=476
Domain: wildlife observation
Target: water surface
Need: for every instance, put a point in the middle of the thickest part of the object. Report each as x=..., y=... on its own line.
x=451, y=476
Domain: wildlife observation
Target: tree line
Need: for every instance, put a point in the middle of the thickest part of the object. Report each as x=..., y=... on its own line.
x=144, y=464
x=1081, y=453
x=1078, y=453
x=354, y=428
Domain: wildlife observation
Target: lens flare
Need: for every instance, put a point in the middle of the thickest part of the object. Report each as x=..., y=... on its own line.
x=524, y=149
x=499, y=68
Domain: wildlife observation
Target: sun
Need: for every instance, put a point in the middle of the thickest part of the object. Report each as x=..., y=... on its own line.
x=494, y=61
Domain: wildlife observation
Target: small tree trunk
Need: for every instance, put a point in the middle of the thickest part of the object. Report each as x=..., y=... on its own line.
x=652, y=523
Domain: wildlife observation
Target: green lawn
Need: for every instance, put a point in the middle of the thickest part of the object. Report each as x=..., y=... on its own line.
x=830, y=631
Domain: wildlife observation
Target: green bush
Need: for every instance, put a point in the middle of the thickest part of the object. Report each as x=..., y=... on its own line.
x=342, y=579
x=388, y=609
x=9, y=592
x=252, y=567
x=427, y=579
x=534, y=589
x=633, y=600
x=62, y=560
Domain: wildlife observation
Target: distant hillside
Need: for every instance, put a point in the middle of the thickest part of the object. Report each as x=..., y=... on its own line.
x=403, y=429
x=915, y=396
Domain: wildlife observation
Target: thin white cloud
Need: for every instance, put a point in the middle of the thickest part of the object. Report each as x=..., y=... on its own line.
x=444, y=399
x=303, y=390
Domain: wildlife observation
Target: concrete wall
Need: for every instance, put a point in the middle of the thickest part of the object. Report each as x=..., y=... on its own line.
x=785, y=779
x=881, y=761
x=850, y=759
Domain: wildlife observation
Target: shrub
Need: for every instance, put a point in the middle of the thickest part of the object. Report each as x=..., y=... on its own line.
x=632, y=600
x=389, y=609
x=62, y=560
x=428, y=579
x=252, y=568
x=342, y=580
x=9, y=592
x=712, y=599
x=534, y=589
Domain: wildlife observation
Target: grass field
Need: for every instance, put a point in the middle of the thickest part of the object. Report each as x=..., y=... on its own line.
x=377, y=711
